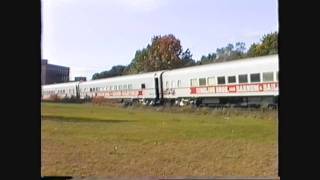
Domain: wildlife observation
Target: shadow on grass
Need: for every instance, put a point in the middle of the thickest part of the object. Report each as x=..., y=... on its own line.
x=82, y=119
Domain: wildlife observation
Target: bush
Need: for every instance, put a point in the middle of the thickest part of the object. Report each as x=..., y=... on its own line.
x=54, y=98
x=98, y=100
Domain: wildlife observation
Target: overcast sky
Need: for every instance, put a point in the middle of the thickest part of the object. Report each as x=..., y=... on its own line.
x=93, y=35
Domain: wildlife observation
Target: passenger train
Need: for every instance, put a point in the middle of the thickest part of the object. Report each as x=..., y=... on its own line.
x=244, y=82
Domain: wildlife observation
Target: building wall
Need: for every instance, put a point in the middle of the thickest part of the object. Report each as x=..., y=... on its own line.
x=51, y=74
x=43, y=71
x=80, y=78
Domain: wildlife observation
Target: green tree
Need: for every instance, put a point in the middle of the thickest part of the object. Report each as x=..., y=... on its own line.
x=114, y=71
x=267, y=46
x=139, y=62
x=210, y=58
x=186, y=58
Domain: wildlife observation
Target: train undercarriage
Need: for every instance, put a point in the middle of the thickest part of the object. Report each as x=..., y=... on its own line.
x=237, y=102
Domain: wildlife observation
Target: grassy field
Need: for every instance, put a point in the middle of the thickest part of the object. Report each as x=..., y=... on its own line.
x=91, y=140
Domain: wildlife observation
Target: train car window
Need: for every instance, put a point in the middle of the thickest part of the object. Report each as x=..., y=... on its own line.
x=211, y=81
x=179, y=83
x=267, y=76
x=129, y=86
x=120, y=87
x=231, y=79
x=124, y=86
x=202, y=82
x=193, y=82
x=143, y=86
x=243, y=78
x=115, y=87
x=90, y=89
x=167, y=84
x=221, y=80
x=255, y=77
x=173, y=84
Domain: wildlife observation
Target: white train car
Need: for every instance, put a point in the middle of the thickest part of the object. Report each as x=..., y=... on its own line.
x=61, y=90
x=138, y=86
x=254, y=78
x=250, y=81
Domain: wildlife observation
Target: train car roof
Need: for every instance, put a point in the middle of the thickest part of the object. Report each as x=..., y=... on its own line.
x=227, y=63
x=60, y=84
x=124, y=77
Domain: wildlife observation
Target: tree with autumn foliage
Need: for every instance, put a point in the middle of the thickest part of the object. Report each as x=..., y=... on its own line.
x=164, y=53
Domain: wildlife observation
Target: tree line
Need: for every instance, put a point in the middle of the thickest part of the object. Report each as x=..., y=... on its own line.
x=166, y=52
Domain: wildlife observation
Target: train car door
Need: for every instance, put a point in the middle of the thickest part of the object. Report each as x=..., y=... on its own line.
x=77, y=91
x=156, y=82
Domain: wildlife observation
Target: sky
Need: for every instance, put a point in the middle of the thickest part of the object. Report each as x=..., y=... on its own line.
x=91, y=36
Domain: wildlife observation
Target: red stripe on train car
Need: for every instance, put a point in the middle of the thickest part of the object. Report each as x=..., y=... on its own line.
x=232, y=89
x=193, y=90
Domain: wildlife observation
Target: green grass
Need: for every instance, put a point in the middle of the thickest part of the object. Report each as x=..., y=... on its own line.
x=86, y=139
